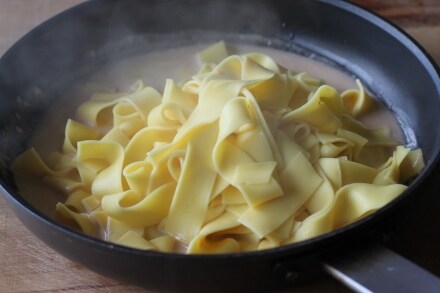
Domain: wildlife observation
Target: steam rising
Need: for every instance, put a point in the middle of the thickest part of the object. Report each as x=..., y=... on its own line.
x=62, y=53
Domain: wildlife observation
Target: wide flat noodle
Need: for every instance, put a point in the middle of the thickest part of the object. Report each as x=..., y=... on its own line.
x=245, y=155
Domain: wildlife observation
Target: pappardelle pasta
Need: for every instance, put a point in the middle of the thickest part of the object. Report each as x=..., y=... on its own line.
x=244, y=155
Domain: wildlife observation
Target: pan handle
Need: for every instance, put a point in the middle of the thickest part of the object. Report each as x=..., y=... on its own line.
x=374, y=268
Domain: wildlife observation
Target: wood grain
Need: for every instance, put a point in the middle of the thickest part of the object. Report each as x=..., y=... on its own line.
x=406, y=12
x=28, y=265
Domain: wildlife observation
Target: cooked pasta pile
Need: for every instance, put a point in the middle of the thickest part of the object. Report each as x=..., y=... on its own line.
x=245, y=155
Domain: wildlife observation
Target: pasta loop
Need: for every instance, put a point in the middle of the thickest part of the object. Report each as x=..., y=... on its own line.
x=244, y=155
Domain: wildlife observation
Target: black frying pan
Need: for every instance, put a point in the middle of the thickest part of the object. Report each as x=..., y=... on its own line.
x=77, y=42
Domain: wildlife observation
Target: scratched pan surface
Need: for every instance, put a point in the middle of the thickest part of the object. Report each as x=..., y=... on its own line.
x=74, y=44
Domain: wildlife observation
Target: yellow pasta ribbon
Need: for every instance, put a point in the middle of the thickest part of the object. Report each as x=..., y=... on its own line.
x=244, y=155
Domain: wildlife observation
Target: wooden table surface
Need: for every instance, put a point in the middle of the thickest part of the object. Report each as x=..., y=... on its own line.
x=28, y=265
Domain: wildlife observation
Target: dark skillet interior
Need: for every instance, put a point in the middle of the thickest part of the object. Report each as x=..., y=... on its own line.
x=76, y=43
